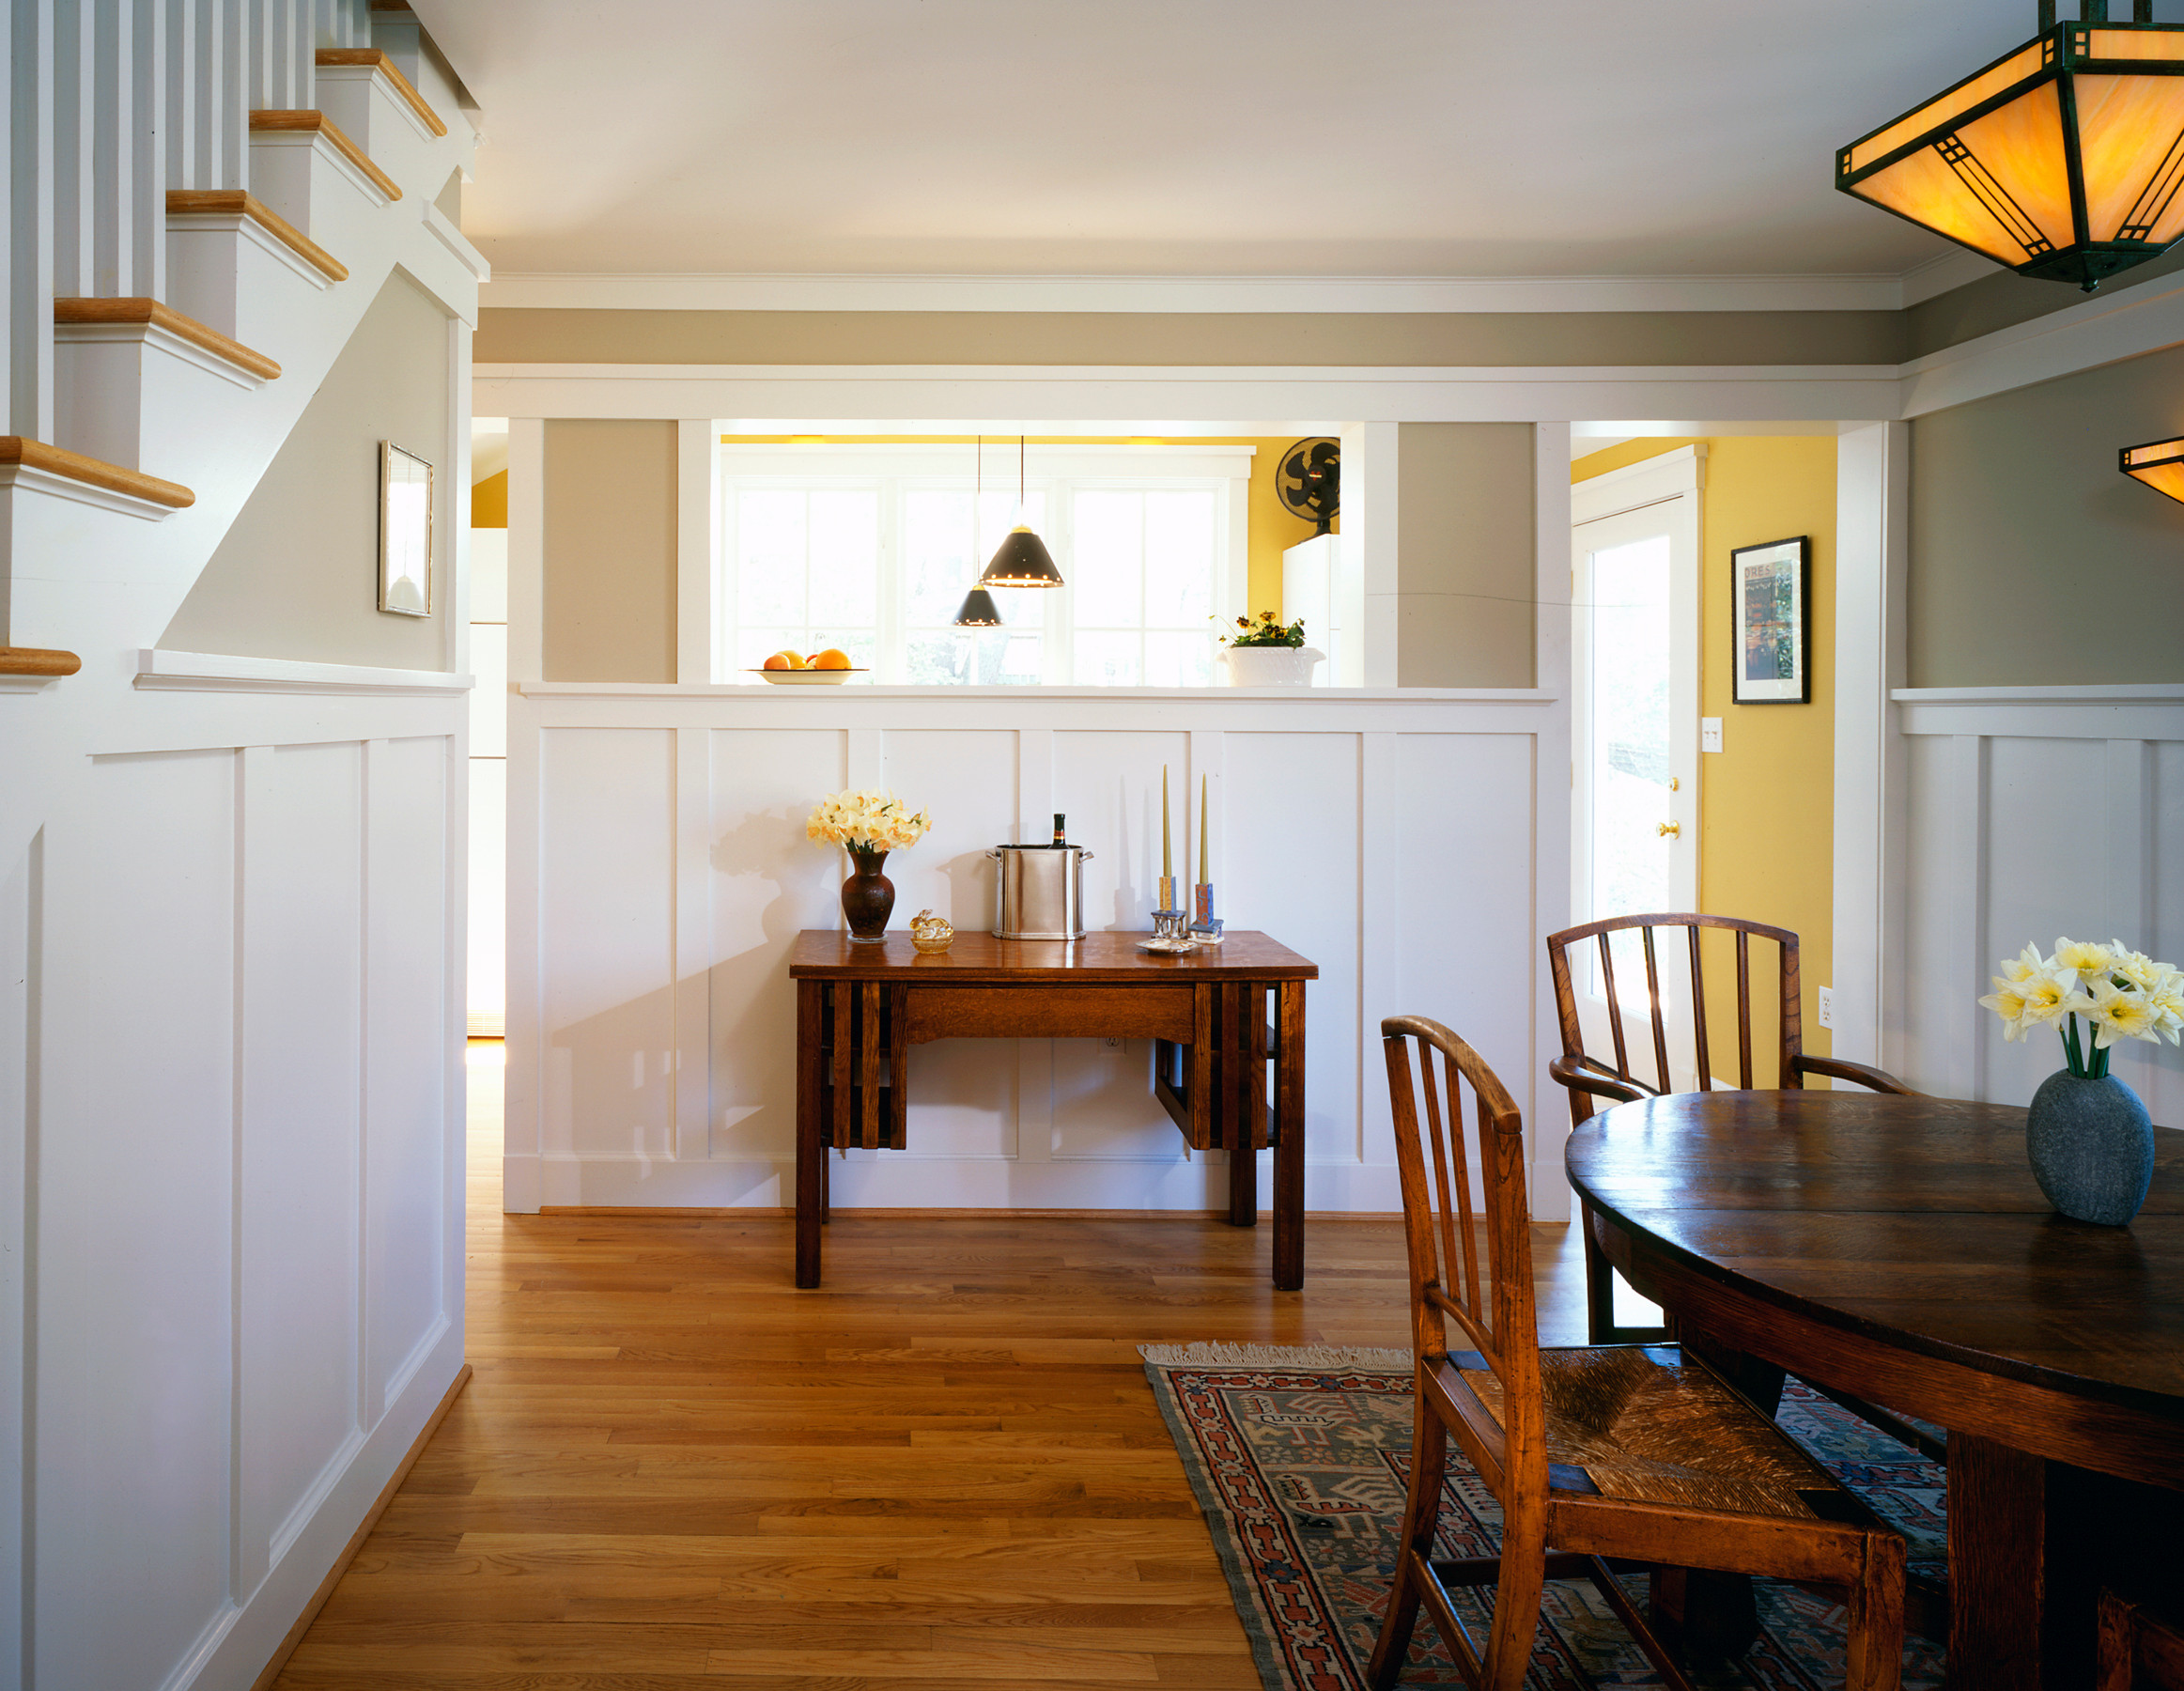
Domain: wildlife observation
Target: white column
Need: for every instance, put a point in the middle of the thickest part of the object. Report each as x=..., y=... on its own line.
x=1872, y=474
x=1551, y=807
x=697, y=544
x=1369, y=535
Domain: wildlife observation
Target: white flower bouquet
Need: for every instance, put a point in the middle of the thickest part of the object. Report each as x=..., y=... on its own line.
x=2122, y=994
x=871, y=820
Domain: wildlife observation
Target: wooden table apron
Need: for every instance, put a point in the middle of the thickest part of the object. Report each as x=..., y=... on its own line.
x=860, y=1008
x=1899, y=1250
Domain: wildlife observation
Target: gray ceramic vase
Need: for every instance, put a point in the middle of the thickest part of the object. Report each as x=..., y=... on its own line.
x=2092, y=1147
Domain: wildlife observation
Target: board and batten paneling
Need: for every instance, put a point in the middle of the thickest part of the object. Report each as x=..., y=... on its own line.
x=230, y=1142
x=2032, y=814
x=657, y=836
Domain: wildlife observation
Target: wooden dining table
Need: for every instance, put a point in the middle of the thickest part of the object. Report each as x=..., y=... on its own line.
x=1899, y=1249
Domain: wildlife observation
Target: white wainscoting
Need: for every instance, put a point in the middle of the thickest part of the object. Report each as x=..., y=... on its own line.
x=658, y=874
x=229, y=1068
x=2033, y=813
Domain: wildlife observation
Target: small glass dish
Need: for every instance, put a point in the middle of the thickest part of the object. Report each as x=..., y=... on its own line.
x=931, y=934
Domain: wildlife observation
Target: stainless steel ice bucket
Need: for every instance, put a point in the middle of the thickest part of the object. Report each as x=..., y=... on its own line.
x=1039, y=891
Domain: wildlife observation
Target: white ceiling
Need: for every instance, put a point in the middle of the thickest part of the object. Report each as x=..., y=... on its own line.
x=1390, y=138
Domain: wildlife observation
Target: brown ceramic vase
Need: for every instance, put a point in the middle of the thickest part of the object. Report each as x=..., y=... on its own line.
x=868, y=897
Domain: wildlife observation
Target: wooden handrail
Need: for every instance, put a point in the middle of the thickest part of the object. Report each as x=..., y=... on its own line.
x=38, y=661
x=235, y=202
x=92, y=472
x=318, y=123
x=373, y=56
x=159, y=314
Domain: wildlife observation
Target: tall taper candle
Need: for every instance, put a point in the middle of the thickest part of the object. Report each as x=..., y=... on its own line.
x=1167, y=858
x=1202, y=875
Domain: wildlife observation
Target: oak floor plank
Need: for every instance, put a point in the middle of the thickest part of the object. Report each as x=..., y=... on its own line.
x=943, y=1470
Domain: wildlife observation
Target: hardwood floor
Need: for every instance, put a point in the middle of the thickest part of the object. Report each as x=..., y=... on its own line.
x=944, y=1469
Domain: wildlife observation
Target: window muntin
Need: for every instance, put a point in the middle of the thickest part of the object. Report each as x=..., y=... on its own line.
x=873, y=550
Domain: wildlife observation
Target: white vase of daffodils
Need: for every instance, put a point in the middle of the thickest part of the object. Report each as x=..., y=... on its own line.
x=867, y=824
x=2087, y=1135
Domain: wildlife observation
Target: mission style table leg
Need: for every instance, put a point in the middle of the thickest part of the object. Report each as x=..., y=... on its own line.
x=811, y=1153
x=1289, y=1152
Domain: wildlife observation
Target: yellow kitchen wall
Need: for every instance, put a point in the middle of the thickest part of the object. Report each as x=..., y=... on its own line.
x=1767, y=798
x=489, y=501
x=1273, y=529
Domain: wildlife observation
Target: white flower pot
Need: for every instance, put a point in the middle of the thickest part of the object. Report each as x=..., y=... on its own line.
x=1270, y=666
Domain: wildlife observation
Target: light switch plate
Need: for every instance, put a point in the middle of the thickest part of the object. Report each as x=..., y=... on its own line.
x=1827, y=1006
x=1709, y=733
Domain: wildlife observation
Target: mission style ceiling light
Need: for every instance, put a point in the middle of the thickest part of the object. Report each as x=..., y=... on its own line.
x=2061, y=159
x=2159, y=463
x=1022, y=559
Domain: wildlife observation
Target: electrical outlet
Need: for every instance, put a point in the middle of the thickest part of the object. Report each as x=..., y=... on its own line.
x=1827, y=1006
x=1709, y=733
x=1114, y=1045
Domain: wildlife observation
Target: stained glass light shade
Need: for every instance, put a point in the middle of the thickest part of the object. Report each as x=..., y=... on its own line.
x=2159, y=463
x=1021, y=560
x=2062, y=160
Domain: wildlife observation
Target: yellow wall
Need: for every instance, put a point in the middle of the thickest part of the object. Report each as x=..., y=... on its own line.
x=1273, y=530
x=1767, y=798
x=489, y=501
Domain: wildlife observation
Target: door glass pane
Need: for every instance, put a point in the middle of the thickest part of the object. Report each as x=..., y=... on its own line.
x=1630, y=728
x=1110, y=566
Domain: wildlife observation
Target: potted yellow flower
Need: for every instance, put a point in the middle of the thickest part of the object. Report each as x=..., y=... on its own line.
x=1265, y=652
x=868, y=825
x=2087, y=1135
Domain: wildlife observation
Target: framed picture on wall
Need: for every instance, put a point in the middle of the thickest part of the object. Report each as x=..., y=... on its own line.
x=1769, y=587
x=405, y=532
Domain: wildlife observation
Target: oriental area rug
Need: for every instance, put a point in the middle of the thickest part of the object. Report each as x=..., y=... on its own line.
x=1299, y=1458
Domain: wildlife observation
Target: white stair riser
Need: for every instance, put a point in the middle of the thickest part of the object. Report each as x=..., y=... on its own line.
x=122, y=390
x=232, y=275
x=302, y=177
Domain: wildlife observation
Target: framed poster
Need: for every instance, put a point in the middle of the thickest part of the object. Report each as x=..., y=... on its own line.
x=1768, y=588
x=405, y=532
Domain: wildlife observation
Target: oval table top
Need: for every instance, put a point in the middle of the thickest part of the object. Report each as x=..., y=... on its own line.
x=1910, y=1221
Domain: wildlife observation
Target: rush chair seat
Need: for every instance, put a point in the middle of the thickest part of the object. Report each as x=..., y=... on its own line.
x=1637, y=1454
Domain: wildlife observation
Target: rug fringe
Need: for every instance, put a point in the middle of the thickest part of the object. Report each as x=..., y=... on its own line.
x=1205, y=1354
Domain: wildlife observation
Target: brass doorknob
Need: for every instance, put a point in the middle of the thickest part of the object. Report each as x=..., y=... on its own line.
x=1672, y=828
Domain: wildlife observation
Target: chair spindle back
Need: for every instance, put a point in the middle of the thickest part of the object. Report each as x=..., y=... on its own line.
x=1792, y=1035
x=1470, y=1260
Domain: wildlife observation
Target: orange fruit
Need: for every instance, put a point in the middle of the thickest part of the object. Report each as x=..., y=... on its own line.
x=797, y=662
x=832, y=658
x=779, y=661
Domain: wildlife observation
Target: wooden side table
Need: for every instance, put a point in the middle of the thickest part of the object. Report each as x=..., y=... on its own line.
x=860, y=1008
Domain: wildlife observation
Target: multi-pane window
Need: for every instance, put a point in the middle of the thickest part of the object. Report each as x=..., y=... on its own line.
x=872, y=550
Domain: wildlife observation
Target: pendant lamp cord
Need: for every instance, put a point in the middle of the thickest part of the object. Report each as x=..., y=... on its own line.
x=1019, y=478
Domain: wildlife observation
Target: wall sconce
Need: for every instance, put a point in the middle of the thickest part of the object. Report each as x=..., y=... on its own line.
x=2159, y=463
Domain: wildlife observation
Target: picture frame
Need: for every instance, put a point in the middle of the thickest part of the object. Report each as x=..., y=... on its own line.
x=405, y=532
x=1771, y=634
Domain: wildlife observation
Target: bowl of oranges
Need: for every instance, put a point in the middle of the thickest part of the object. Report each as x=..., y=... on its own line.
x=791, y=669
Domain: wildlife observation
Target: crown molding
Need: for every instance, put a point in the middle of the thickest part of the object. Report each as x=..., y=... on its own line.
x=535, y=290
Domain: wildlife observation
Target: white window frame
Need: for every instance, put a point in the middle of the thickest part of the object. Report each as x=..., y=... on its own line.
x=1059, y=471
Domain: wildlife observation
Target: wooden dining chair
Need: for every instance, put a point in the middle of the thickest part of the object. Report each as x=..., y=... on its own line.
x=1588, y=1075
x=2137, y=1649
x=1635, y=1454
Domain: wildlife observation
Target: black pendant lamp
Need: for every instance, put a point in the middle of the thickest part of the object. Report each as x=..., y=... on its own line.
x=979, y=609
x=2061, y=159
x=1022, y=559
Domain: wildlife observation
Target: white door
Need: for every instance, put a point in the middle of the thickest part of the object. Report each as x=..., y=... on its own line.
x=1634, y=589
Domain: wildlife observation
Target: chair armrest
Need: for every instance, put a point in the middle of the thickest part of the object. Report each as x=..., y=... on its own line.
x=1581, y=1073
x=1872, y=1079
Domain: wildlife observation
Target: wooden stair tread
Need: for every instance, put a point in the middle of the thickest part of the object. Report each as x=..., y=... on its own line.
x=93, y=473
x=160, y=314
x=380, y=61
x=38, y=661
x=237, y=202
x=318, y=123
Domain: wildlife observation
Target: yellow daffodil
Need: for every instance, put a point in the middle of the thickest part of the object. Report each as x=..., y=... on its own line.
x=2026, y=964
x=2118, y=1014
x=2048, y=998
x=2084, y=958
x=871, y=819
x=2007, y=1002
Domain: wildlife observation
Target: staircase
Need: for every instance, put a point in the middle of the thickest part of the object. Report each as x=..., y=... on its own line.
x=219, y=188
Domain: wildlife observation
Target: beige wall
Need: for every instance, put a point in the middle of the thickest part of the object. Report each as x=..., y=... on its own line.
x=298, y=574
x=610, y=565
x=1199, y=338
x=1466, y=575
x=2033, y=558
